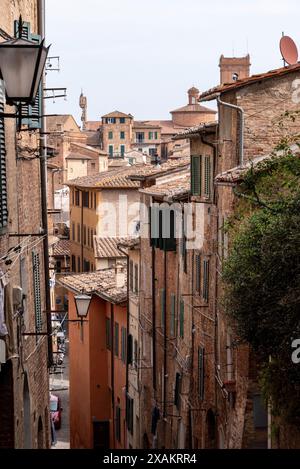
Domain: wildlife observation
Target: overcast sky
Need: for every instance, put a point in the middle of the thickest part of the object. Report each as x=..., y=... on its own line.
x=141, y=56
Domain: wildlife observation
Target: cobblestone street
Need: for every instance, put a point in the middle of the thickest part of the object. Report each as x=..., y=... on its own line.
x=59, y=385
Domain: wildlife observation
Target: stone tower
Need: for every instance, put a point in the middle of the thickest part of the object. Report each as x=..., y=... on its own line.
x=83, y=105
x=234, y=68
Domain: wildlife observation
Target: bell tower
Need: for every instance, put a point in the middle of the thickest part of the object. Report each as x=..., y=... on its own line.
x=234, y=68
x=83, y=105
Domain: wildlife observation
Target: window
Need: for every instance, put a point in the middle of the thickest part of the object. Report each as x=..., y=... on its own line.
x=37, y=292
x=58, y=266
x=85, y=199
x=92, y=241
x=123, y=344
x=78, y=264
x=129, y=349
x=196, y=164
x=122, y=150
x=183, y=244
x=116, y=339
x=111, y=150
x=150, y=135
x=73, y=263
x=207, y=176
x=93, y=165
x=135, y=353
x=88, y=237
x=110, y=120
x=152, y=151
x=173, y=309
x=162, y=228
x=73, y=231
x=131, y=275
x=108, y=333
x=84, y=234
x=163, y=307
x=122, y=134
x=95, y=200
x=77, y=198
x=118, y=423
x=155, y=135
x=139, y=137
x=181, y=319
x=136, y=278
x=122, y=120
x=177, y=390
x=78, y=233
x=86, y=266
x=201, y=372
x=198, y=274
x=205, y=287
x=129, y=413
x=110, y=135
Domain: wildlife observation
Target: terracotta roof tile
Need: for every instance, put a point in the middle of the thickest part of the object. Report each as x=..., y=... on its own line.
x=278, y=72
x=117, y=114
x=153, y=170
x=195, y=130
x=77, y=156
x=100, y=282
x=194, y=108
x=61, y=248
x=115, y=178
x=174, y=188
x=108, y=247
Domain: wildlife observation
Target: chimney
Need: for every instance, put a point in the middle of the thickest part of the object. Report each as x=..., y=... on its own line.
x=234, y=68
x=120, y=275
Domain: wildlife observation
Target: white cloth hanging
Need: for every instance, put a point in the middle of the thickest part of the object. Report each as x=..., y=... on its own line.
x=3, y=328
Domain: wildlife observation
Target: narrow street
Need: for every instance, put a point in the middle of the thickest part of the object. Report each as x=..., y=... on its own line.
x=59, y=385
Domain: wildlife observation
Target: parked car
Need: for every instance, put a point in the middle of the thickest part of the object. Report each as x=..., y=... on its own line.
x=55, y=410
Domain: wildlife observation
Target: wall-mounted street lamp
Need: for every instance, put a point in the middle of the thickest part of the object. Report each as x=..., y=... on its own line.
x=82, y=302
x=21, y=67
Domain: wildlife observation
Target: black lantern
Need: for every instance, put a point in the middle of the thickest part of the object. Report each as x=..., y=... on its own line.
x=82, y=302
x=21, y=66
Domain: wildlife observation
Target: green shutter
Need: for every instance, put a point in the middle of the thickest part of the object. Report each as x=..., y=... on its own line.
x=155, y=133
x=173, y=307
x=181, y=319
x=205, y=290
x=196, y=164
x=207, y=176
x=201, y=372
x=131, y=275
x=37, y=291
x=3, y=185
x=34, y=110
x=198, y=273
x=116, y=339
x=136, y=278
x=163, y=307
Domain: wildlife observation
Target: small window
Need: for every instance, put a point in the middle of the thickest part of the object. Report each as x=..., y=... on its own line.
x=110, y=135
x=78, y=264
x=122, y=135
x=111, y=150
x=73, y=263
x=136, y=278
x=116, y=339
x=77, y=198
x=73, y=231
x=78, y=233
x=85, y=199
x=108, y=333
x=123, y=344
x=131, y=275
x=122, y=150
x=122, y=120
x=84, y=235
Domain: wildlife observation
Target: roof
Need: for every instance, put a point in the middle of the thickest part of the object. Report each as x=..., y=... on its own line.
x=59, y=119
x=88, y=148
x=145, y=125
x=151, y=170
x=130, y=242
x=236, y=174
x=61, y=248
x=171, y=189
x=92, y=126
x=278, y=72
x=108, y=247
x=167, y=126
x=194, y=108
x=117, y=114
x=196, y=130
x=114, y=178
x=100, y=282
x=77, y=156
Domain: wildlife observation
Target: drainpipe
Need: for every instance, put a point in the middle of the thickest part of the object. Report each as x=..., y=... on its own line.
x=241, y=113
x=112, y=368
x=165, y=336
x=43, y=171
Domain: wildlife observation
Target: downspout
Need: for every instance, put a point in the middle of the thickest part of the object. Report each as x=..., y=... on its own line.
x=165, y=335
x=43, y=171
x=112, y=368
x=127, y=325
x=81, y=233
x=241, y=114
x=153, y=321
